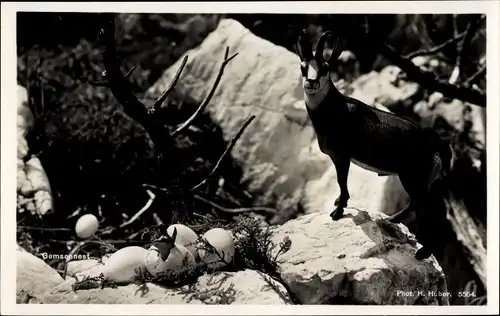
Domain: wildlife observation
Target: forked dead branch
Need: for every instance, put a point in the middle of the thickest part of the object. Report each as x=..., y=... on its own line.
x=162, y=135
x=461, y=89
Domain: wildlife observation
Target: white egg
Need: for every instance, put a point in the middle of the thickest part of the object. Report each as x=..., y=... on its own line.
x=185, y=237
x=86, y=226
x=174, y=261
x=121, y=266
x=222, y=241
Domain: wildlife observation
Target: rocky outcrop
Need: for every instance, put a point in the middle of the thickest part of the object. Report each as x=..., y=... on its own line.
x=37, y=282
x=360, y=259
x=278, y=153
x=33, y=187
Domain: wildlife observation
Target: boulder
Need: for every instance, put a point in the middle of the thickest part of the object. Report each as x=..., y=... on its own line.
x=25, y=118
x=33, y=277
x=278, y=152
x=457, y=114
x=385, y=87
x=33, y=186
x=359, y=259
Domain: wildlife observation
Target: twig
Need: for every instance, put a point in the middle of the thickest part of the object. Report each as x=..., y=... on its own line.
x=130, y=71
x=44, y=228
x=435, y=49
x=464, y=48
x=142, y=210
x=154, y=187
x=205, y=102
x=73, y=251
x=171, y=86
x=106, y=243
x=144, y=230
x=157, y=219
x=228, y=149
x=235, y=210
x=471, y=79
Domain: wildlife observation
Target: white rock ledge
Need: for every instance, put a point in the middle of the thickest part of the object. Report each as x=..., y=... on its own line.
x=362, y=258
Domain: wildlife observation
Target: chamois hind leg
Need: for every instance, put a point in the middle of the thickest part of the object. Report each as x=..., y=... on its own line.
x=415, y=184
x=342, y=165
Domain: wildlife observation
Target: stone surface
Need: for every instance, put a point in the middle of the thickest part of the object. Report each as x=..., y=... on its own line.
x=453, y=112
x=39, y=283
x=385, y=87
x=81, y=268
x=243, y=287
x=278, y=152
x=33, y=186
x=361, y=259
x=34, y=276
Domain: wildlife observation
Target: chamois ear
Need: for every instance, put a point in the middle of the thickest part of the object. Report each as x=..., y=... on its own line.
x=299, y=49
x=336, y=48
x=174, y=234
x=320, y=46
x=304, y=49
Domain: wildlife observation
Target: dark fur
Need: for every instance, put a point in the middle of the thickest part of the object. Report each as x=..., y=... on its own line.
x=348, y=129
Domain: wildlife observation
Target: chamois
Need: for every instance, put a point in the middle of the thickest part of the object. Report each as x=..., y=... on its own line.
x=349, y=130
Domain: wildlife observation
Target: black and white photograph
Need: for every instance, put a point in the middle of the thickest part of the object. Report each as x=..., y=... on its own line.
x=250, y=158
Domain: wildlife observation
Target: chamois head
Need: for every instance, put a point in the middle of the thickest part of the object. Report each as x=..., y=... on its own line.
x=315, y=69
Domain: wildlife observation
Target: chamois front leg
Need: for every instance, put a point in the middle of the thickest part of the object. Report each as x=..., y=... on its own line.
x=342, y=164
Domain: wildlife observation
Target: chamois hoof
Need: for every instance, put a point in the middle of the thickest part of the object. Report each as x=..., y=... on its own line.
x=337, y=213
x=423, y=253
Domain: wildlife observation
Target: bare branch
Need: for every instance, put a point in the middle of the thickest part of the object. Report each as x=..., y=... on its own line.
x=205, y=102
x=130, y=71
x=235, y=210
x=161, y=99
x=152, y=197
x=481, y=71
x=435, y=49
x=228, y=149
x=98, y=83
x=429, y=80
x=116, y=82
x=154, y=187
x=464, y=47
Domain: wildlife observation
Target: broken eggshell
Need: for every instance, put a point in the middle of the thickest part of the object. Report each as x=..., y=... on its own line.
x=185, y=237
x=165, y=254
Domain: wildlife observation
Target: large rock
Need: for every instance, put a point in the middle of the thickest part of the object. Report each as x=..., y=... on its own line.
x=385, y=87
x=37, y=282
x=34, y=276
x=278, y=152
x=360, y=259
x=33, y=187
